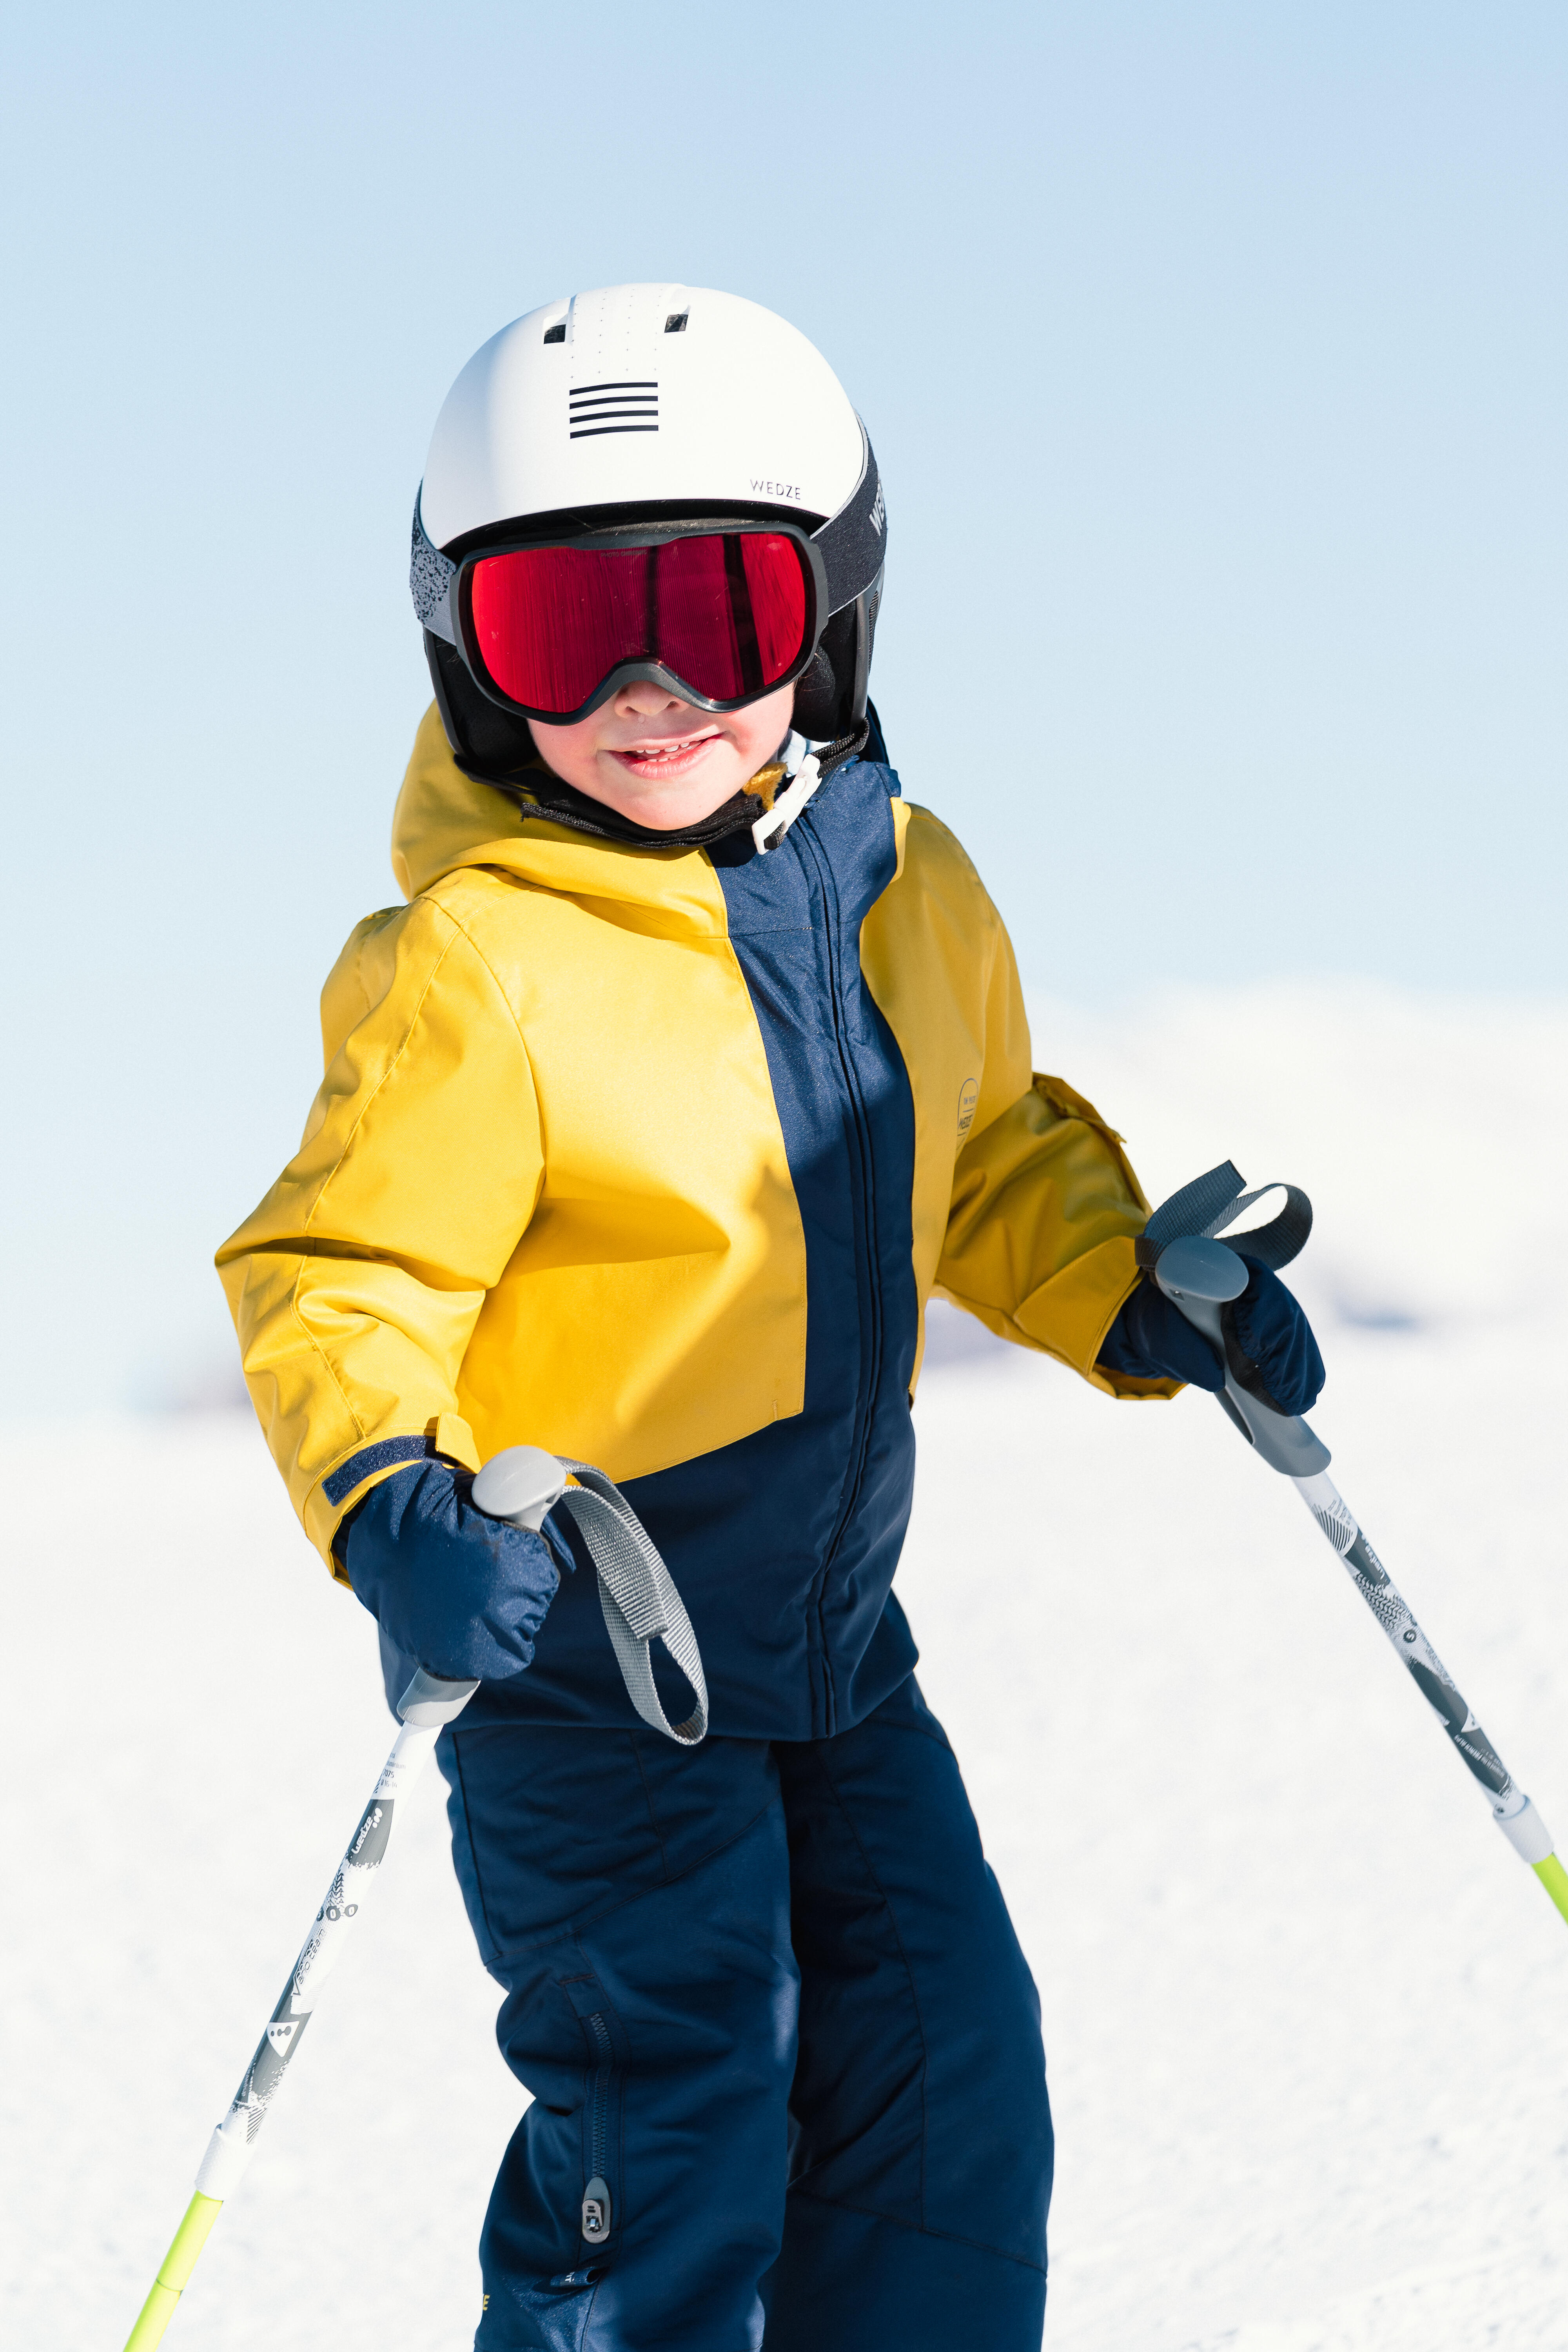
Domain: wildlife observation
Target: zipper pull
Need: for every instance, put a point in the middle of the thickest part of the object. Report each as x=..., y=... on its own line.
x=596, y=2212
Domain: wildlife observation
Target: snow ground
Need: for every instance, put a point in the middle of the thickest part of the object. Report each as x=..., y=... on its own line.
x=1305, y=2011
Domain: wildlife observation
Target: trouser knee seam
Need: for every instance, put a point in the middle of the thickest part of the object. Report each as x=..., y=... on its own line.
x=909, y=1971
x=917, y=2228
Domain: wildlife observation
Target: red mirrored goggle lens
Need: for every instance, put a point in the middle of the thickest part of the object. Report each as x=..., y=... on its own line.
x=725, y=611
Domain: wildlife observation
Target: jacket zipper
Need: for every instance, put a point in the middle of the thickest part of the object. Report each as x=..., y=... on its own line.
x=600, y=2105
x=867, y=1249
x=596, y=2212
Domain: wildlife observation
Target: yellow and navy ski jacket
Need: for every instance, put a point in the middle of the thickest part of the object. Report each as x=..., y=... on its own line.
x=653, y=1157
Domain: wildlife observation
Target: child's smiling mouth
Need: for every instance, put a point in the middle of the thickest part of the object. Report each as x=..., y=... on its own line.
x=654, y=760
x=660, y=760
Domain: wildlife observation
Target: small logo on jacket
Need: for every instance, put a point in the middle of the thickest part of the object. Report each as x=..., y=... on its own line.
x=968, y=1097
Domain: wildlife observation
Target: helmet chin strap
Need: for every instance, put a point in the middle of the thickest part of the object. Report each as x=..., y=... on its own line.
x=807, y=765
x=802, y=768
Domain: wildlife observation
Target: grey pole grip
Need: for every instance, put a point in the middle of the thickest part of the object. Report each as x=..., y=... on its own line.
x=520, y=1486
x=1200, y=1277
x=430, y=1701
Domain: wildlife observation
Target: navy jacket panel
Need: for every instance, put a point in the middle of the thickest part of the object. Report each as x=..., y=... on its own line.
x=783, y=1545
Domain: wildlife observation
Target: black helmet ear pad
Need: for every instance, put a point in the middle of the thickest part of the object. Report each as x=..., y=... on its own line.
x=830, y=693
x=817, y=693
x=477, y=729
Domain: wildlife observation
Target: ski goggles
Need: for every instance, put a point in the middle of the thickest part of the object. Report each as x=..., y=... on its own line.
x=550, y=629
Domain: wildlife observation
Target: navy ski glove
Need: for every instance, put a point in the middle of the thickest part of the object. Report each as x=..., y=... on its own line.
x=463, y=1593
x=1268, y=1341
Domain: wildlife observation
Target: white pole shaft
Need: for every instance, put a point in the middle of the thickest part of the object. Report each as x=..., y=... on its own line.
x=520, y=1484
x=1512, y=1809
x=229, y=2149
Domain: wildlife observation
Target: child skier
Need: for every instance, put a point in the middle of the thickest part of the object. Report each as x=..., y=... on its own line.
x=692, y=1067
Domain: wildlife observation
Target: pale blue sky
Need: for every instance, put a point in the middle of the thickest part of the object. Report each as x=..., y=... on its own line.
x=1214, y=356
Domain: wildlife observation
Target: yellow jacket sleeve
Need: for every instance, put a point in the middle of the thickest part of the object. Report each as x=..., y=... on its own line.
x=1045, y=1206
x=356, y=1285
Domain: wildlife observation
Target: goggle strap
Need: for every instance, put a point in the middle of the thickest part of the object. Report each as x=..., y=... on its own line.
x=854, y=541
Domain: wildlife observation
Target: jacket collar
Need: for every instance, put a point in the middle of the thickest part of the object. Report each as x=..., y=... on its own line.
x=536, y=791
x=445, y=819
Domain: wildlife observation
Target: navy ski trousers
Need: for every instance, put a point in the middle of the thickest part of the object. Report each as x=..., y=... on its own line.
x=770, y=1995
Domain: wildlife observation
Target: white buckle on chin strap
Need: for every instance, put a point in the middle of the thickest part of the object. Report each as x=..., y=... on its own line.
x=804, y=775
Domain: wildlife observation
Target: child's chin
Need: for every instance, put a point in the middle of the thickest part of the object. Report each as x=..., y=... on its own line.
x=708, y=780
x=668, y=809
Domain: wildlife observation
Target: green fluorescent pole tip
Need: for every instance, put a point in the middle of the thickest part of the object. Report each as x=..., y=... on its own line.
x=178, y=2263
x=1554, y=1878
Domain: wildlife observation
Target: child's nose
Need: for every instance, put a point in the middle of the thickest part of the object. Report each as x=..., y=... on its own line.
x=641, y=699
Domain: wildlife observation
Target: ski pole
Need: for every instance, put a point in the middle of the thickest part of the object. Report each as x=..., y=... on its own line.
x=520, y=1484
x=1201, y=1273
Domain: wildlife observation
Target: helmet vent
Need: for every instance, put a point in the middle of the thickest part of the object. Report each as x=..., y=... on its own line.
x=676, y=322
x=556, y=334
x=595, y=409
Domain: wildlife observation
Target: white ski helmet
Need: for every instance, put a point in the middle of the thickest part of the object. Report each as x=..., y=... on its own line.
x=635, y=413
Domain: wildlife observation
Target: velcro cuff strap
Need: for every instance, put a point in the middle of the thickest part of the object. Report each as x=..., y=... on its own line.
x=390, y=1454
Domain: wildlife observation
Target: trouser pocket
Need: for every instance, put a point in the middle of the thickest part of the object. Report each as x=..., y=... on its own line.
x=558, y=2213
x=657, y=2040
x=601, y=2209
